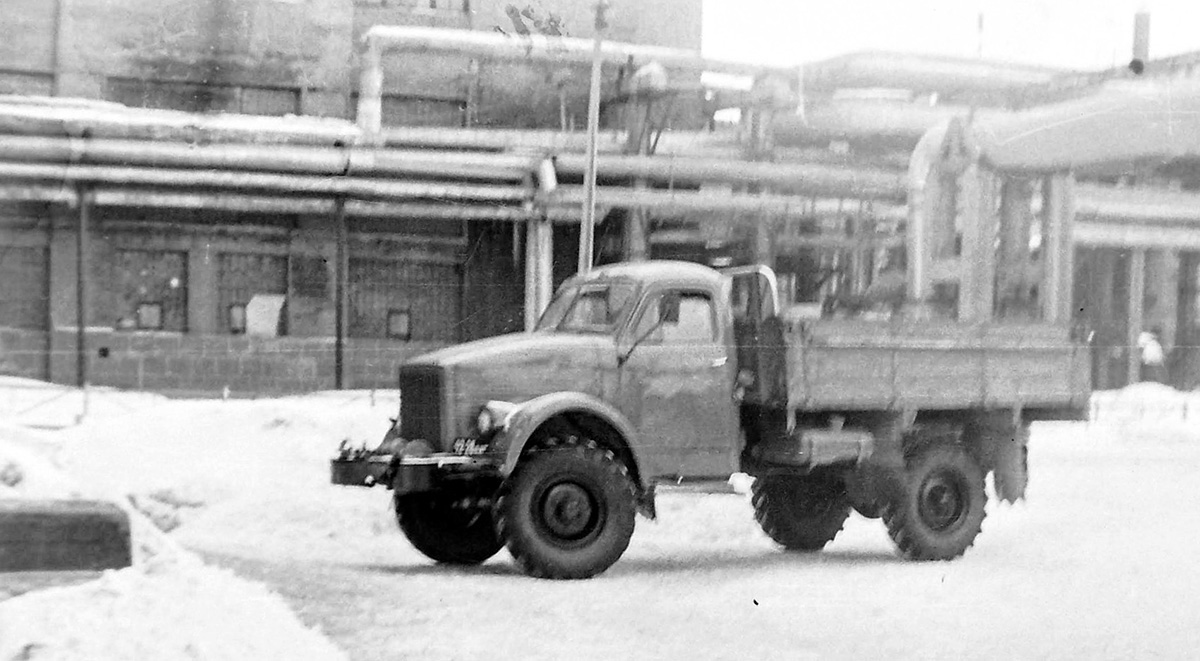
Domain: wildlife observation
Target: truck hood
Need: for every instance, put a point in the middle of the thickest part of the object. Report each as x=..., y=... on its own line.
x=521, y=366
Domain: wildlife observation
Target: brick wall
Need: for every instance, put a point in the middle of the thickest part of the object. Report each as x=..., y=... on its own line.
x=203, y=364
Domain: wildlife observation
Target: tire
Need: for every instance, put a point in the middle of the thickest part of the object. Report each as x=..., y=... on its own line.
x=939, y=510
x=446, y=527
x=800, y=513
x=568, y=512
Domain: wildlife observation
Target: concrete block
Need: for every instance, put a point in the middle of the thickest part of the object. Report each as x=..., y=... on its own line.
x=63, y=535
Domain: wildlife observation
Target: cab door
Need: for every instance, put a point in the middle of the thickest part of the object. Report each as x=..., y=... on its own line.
x=758, y=336
x=677, y=380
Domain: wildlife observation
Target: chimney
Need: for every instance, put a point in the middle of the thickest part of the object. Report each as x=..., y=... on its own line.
x=1141, y=41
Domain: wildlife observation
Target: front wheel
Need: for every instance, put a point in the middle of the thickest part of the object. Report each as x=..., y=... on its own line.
x=939, y=510
x=450, y=527
x=568, y=512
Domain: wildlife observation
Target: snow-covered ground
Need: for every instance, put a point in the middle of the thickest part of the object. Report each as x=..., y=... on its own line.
x=1097, y=563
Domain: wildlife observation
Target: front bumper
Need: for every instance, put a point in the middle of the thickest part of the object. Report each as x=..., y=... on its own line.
x=404, y=474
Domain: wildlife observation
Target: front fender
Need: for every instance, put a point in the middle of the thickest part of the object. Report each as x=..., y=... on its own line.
x=510, y=442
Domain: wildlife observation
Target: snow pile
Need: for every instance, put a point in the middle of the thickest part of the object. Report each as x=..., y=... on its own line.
x=168, y=605
x=25, y=472
x=170, y=609
x=183, y=459
x=29, y=469
x=53, y=406
x=1145, y=410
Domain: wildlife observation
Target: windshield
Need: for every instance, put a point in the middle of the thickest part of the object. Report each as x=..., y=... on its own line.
x=588, y=308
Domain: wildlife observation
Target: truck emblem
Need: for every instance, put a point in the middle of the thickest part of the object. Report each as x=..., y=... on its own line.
x=469, y=447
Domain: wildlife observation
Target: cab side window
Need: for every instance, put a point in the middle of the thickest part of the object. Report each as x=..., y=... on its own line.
x=678, y=318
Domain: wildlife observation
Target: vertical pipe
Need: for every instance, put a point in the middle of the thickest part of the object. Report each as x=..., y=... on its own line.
x=474, y=87
x=369, y=116
x=1102, y=281
x=1137, y=290
x=546, y=262
x=56, y=54
x=82, y=263
x=637, y=125
x=538, y=268
x=1057, y=252
x=587, y=227
x=341, y=292
x=531, y=273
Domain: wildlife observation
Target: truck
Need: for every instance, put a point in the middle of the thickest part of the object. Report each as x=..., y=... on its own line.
x=552, y=442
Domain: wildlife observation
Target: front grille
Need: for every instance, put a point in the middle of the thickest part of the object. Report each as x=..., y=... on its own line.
x=421, y=401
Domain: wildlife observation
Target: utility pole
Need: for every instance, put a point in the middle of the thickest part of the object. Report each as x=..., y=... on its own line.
x=587, y=227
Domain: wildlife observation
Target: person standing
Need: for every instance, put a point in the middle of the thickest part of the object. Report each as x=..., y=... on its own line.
x=1153, y=363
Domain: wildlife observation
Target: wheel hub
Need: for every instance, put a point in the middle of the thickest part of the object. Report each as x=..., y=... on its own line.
x=942, y=502
x=568, y=511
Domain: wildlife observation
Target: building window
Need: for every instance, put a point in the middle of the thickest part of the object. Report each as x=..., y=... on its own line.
x=310, y=276
x=200, y=97
x=240, y=277
x=151, y=289
x=26, y=83
x=428, y=295
x=237, y=319
x=23, y=294
x=406, y=110
x=398, y=325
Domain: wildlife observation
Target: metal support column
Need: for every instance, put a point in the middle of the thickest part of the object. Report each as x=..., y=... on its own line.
x=342, y=294
x=1137, y=290
x=84, y=199
x=587, y=228
x=1058, y=253
x=539, y=267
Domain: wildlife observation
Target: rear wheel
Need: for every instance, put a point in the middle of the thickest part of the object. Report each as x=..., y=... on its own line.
x=939, y=510
x=568, y=512
x=449, y=526
x=800, y=513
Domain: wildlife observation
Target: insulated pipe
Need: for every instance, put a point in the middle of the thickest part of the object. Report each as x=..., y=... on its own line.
x=857, y=182
x=491, y=45
x=668, y=200
x=881, y=123
x=476, y=44
x=821, y=180
x=279, y=158
x=291, y=183
x=934, y=73
x=121, y=123
x=149, y=124
x=127, y=197
x=1094, y=204
x=563, y=205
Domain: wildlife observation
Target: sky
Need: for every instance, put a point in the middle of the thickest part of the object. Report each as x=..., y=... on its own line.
x=1075, y=34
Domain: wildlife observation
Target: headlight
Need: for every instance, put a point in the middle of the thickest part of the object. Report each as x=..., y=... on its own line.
x=485, y=422
x=493, y=417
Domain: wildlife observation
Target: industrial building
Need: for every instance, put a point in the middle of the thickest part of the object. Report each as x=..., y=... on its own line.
x=237, y=231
